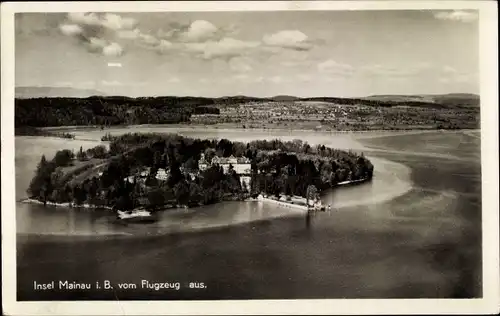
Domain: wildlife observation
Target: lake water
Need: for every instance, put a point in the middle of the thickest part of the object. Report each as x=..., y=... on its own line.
x=414, y=231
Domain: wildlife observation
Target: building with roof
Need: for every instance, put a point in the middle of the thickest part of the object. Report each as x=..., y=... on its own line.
x=162, y=174
x=241, y=165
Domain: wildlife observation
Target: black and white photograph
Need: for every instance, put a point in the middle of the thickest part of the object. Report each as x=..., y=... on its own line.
x=225, y=154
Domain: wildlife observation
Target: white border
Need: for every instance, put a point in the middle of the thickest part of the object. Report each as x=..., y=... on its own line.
x=489, y=160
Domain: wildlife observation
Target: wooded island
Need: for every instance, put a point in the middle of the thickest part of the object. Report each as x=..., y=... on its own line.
x=157, y=171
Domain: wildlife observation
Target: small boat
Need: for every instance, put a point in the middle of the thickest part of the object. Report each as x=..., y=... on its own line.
x=136, y=216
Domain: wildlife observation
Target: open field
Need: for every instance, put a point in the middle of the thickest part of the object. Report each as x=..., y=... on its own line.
x=317, y=115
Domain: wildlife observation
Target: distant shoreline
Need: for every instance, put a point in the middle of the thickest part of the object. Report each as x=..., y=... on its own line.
x=219, y=127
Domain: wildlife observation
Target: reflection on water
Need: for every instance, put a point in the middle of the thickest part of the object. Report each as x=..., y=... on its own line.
x=414, y=231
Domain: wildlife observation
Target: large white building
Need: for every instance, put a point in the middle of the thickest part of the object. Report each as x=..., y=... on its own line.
x=162, y=174
x=241, y=165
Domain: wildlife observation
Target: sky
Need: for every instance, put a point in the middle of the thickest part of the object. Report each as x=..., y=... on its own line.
x=301, y=53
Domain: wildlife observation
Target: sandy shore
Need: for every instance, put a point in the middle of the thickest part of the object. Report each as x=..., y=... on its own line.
x=67, y=204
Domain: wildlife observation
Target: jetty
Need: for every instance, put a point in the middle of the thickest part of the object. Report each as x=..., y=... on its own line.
x=298, y=203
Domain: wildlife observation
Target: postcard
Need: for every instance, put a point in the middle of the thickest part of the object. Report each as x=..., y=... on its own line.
x=250, y=157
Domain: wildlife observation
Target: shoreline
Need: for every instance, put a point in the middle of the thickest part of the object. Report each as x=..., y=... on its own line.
x=216, y=127
x=65, y=204
x=171, y=206
x=303, y=208
x=351, y=182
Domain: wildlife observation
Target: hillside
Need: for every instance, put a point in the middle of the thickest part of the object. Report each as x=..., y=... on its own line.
x=450, y=99
x=450, y=111
x=48, y=92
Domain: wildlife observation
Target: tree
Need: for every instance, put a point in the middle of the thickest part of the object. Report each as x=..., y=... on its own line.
x=40, y=185
x=311, y=193
x=81, y=156
x=156, y=198
x=157, y=161
x=181, y=191
x=175, y=175
x=209, y=154
x=98, y=152
x=124, y=203
x=116, y=148
x=244, y=187
x=168, y=194
x=191, y=164
x=151, y=181
x=79, y=195
x=195, y=193
x=63, y=158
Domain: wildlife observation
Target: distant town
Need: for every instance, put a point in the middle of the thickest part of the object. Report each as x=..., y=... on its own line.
x=420, y=112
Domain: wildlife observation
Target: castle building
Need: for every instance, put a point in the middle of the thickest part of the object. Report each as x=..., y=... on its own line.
x=241, y=165
x=162, y=175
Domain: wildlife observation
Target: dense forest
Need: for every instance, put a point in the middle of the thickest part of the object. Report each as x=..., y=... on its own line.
x=42, y=112
x=277, y=167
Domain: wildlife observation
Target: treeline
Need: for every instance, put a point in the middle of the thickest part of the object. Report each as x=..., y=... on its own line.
x=40, y=112
x=276, y=167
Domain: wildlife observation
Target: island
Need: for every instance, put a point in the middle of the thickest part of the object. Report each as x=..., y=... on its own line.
x=154, y=171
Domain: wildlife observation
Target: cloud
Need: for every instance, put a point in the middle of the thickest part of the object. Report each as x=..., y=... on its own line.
x=106, y=34
x=258, y=79
x=240, y=77
x=449, y=70
x=304, y=77
x=129, y=34
x=106, y=20
x=333, y=67
x=240, y=65
x=86, y=84
x=276, y=79
x=112, y=49
x=145, y=40
x=290, y=63
x=225, y=48
x=111, y=83
x=110, y=34
x=70, y=29
x=63, y=84
x=149, y=39
x=97, y=31
x=290, y=39
x=164, y=46
x=117, y=22
x=396, y=71
x=84, y=18
x=99, y=45
x=199, y=31
x=96, y=44
x=457, y=15
x=450, y=74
